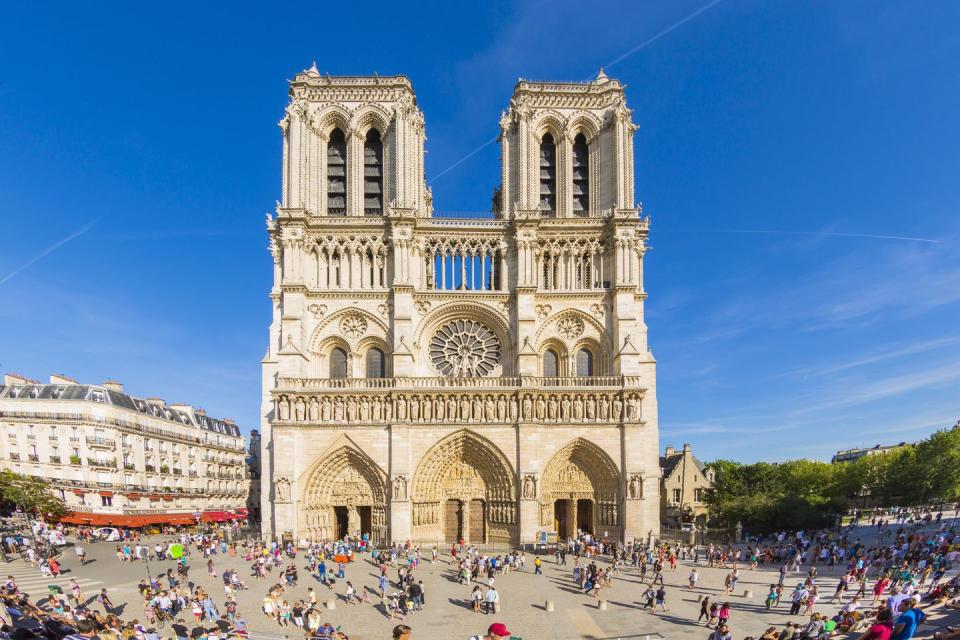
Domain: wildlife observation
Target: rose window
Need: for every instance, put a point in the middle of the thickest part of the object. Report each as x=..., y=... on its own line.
x=464, y=348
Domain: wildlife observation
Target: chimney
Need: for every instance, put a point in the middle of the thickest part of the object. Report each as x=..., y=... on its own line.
x=687, y=448
x=158, y=401
x=670, y=451
x=59, y=378
x=113, y=385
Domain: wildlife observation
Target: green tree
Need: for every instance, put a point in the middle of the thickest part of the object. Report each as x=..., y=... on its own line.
x=30, y=494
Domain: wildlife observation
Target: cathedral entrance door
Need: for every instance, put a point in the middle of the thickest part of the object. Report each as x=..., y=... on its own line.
x=585, y=515
x=342, y=515
x=366, y=520
x=453, y=521
x=561, y=519
x=478, y=522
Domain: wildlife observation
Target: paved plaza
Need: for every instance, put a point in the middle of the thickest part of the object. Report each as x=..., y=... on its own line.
x=447, y=613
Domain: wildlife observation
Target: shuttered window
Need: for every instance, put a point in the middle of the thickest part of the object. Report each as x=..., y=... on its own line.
x=337, y=174
x=338, y=364
x=373, y=174
x=581, y=176
x=548, y=176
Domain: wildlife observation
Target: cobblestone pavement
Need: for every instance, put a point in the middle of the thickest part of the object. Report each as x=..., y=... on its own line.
x=447, y=613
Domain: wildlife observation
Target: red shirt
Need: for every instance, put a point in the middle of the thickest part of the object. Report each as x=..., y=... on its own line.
x=879, y=631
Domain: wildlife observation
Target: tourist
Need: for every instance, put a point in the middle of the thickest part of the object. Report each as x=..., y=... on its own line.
x=721, y=633
x=692, y=579
x=906, y=623
x=704, y=610
x=402, y=632
x=882, y=627
x=496, y=631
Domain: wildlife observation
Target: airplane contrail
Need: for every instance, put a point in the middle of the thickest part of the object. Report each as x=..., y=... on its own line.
x=869, y=236
x=56, y=245
x=620, y=58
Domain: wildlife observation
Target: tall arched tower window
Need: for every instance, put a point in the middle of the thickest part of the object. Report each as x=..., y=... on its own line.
x=337, y=174
x=584, y=362
x=581, y=176
x=550, y=361
x=376, y=364
x=373, y=174
x=548, y=176
x=338, y=364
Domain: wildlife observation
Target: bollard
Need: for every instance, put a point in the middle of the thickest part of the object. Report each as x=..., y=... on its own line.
x=331, y=604
x=747, y=593
x=699, y=597
x=602, y=605
x=548, y=606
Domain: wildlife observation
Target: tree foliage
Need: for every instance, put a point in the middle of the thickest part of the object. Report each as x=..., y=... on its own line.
x=29, y=494
x=800, y=494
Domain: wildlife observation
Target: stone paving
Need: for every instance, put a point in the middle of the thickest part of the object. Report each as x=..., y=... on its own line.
x=447, y=613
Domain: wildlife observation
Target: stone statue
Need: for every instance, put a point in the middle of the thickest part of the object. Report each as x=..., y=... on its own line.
x=338, y=409
x=414, y=409
x=489, y=409
x=604, y=407
x=591, y=408
x=529, y=488
x=541, y=408
x=633, y=409
x=577, y=408
x=352, y=409
x=565, y=408
x=325, y=411
x=364, y=409
x=617, y=408
x=501, y=408
x=284, y=408
x=388, y=409
x=401, y=408
x=377, y=408
x=514, y=408
x=477, y=409
x=400, y=488
x=282, y=488
x=314, y=409
x=552, y=408
x=426, y=409
x=438, y=408
x=634, y=487
x=464, y=408
x=451, y=408
x=301, y=410
x=527, y=407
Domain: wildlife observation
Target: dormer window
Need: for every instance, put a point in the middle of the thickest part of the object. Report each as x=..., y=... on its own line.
x=97, y=396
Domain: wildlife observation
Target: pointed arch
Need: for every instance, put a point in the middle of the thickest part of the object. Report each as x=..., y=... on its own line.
x=467, y=468
x=582, y=472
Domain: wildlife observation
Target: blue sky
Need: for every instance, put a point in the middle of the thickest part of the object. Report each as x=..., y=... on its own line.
x=147, y=139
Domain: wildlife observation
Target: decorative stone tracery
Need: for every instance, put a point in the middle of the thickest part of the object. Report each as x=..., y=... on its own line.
x=581, y=470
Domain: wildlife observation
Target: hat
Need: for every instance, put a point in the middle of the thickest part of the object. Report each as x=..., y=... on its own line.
x=498, y=629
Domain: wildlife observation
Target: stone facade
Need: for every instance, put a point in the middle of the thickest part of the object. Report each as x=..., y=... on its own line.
x=685, y=483
x=431, y=378
x=118, y=459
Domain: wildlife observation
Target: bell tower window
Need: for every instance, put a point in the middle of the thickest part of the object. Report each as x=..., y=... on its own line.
x=373, y=174
x=548, y=176
x=337, y=174
x=581, y=176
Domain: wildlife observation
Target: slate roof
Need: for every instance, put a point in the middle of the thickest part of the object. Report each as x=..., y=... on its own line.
x=669, y=463
x=117, y=399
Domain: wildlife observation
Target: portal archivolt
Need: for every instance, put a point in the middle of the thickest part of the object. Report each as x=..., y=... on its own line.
x=464, y=488
x=344, y=493
x=580, y=490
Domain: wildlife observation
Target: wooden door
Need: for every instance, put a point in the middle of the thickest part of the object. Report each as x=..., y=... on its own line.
x=451, y=521
x=478, y=522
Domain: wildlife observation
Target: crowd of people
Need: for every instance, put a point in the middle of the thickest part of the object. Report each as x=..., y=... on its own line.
x=879, y=591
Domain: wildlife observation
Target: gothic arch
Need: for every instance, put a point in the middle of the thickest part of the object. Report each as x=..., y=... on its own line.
x=549, y=122
x=586, y=123
x=371, y=117
x=329, y=327
x=591, y=327
x=581, y=470
x=467, y=467
x=345, y=477
x=330, y=118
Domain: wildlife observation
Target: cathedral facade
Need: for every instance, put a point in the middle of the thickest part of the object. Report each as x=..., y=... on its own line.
x=435, y=379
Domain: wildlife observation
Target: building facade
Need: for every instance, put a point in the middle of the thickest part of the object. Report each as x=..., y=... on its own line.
x=432, y=378
x=683, y=492
x=120, y=460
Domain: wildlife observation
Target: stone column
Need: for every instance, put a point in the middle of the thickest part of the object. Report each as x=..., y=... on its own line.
x=465, y=520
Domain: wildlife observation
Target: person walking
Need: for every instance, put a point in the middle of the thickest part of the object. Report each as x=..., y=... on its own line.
x=536, y=566
x=81, y=554
x=490, y=600
x=704, y=610
x=692, y=579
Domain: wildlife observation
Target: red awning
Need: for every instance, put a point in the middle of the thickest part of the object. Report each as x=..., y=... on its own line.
x=133, y=496
x=79, y=492
x=107, y=494
x=121, y=520
x=215, y=516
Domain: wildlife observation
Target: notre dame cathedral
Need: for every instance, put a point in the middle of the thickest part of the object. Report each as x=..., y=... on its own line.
x=435, y=379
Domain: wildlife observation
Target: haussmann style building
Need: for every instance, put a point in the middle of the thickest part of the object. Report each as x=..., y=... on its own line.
x=434, y=379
